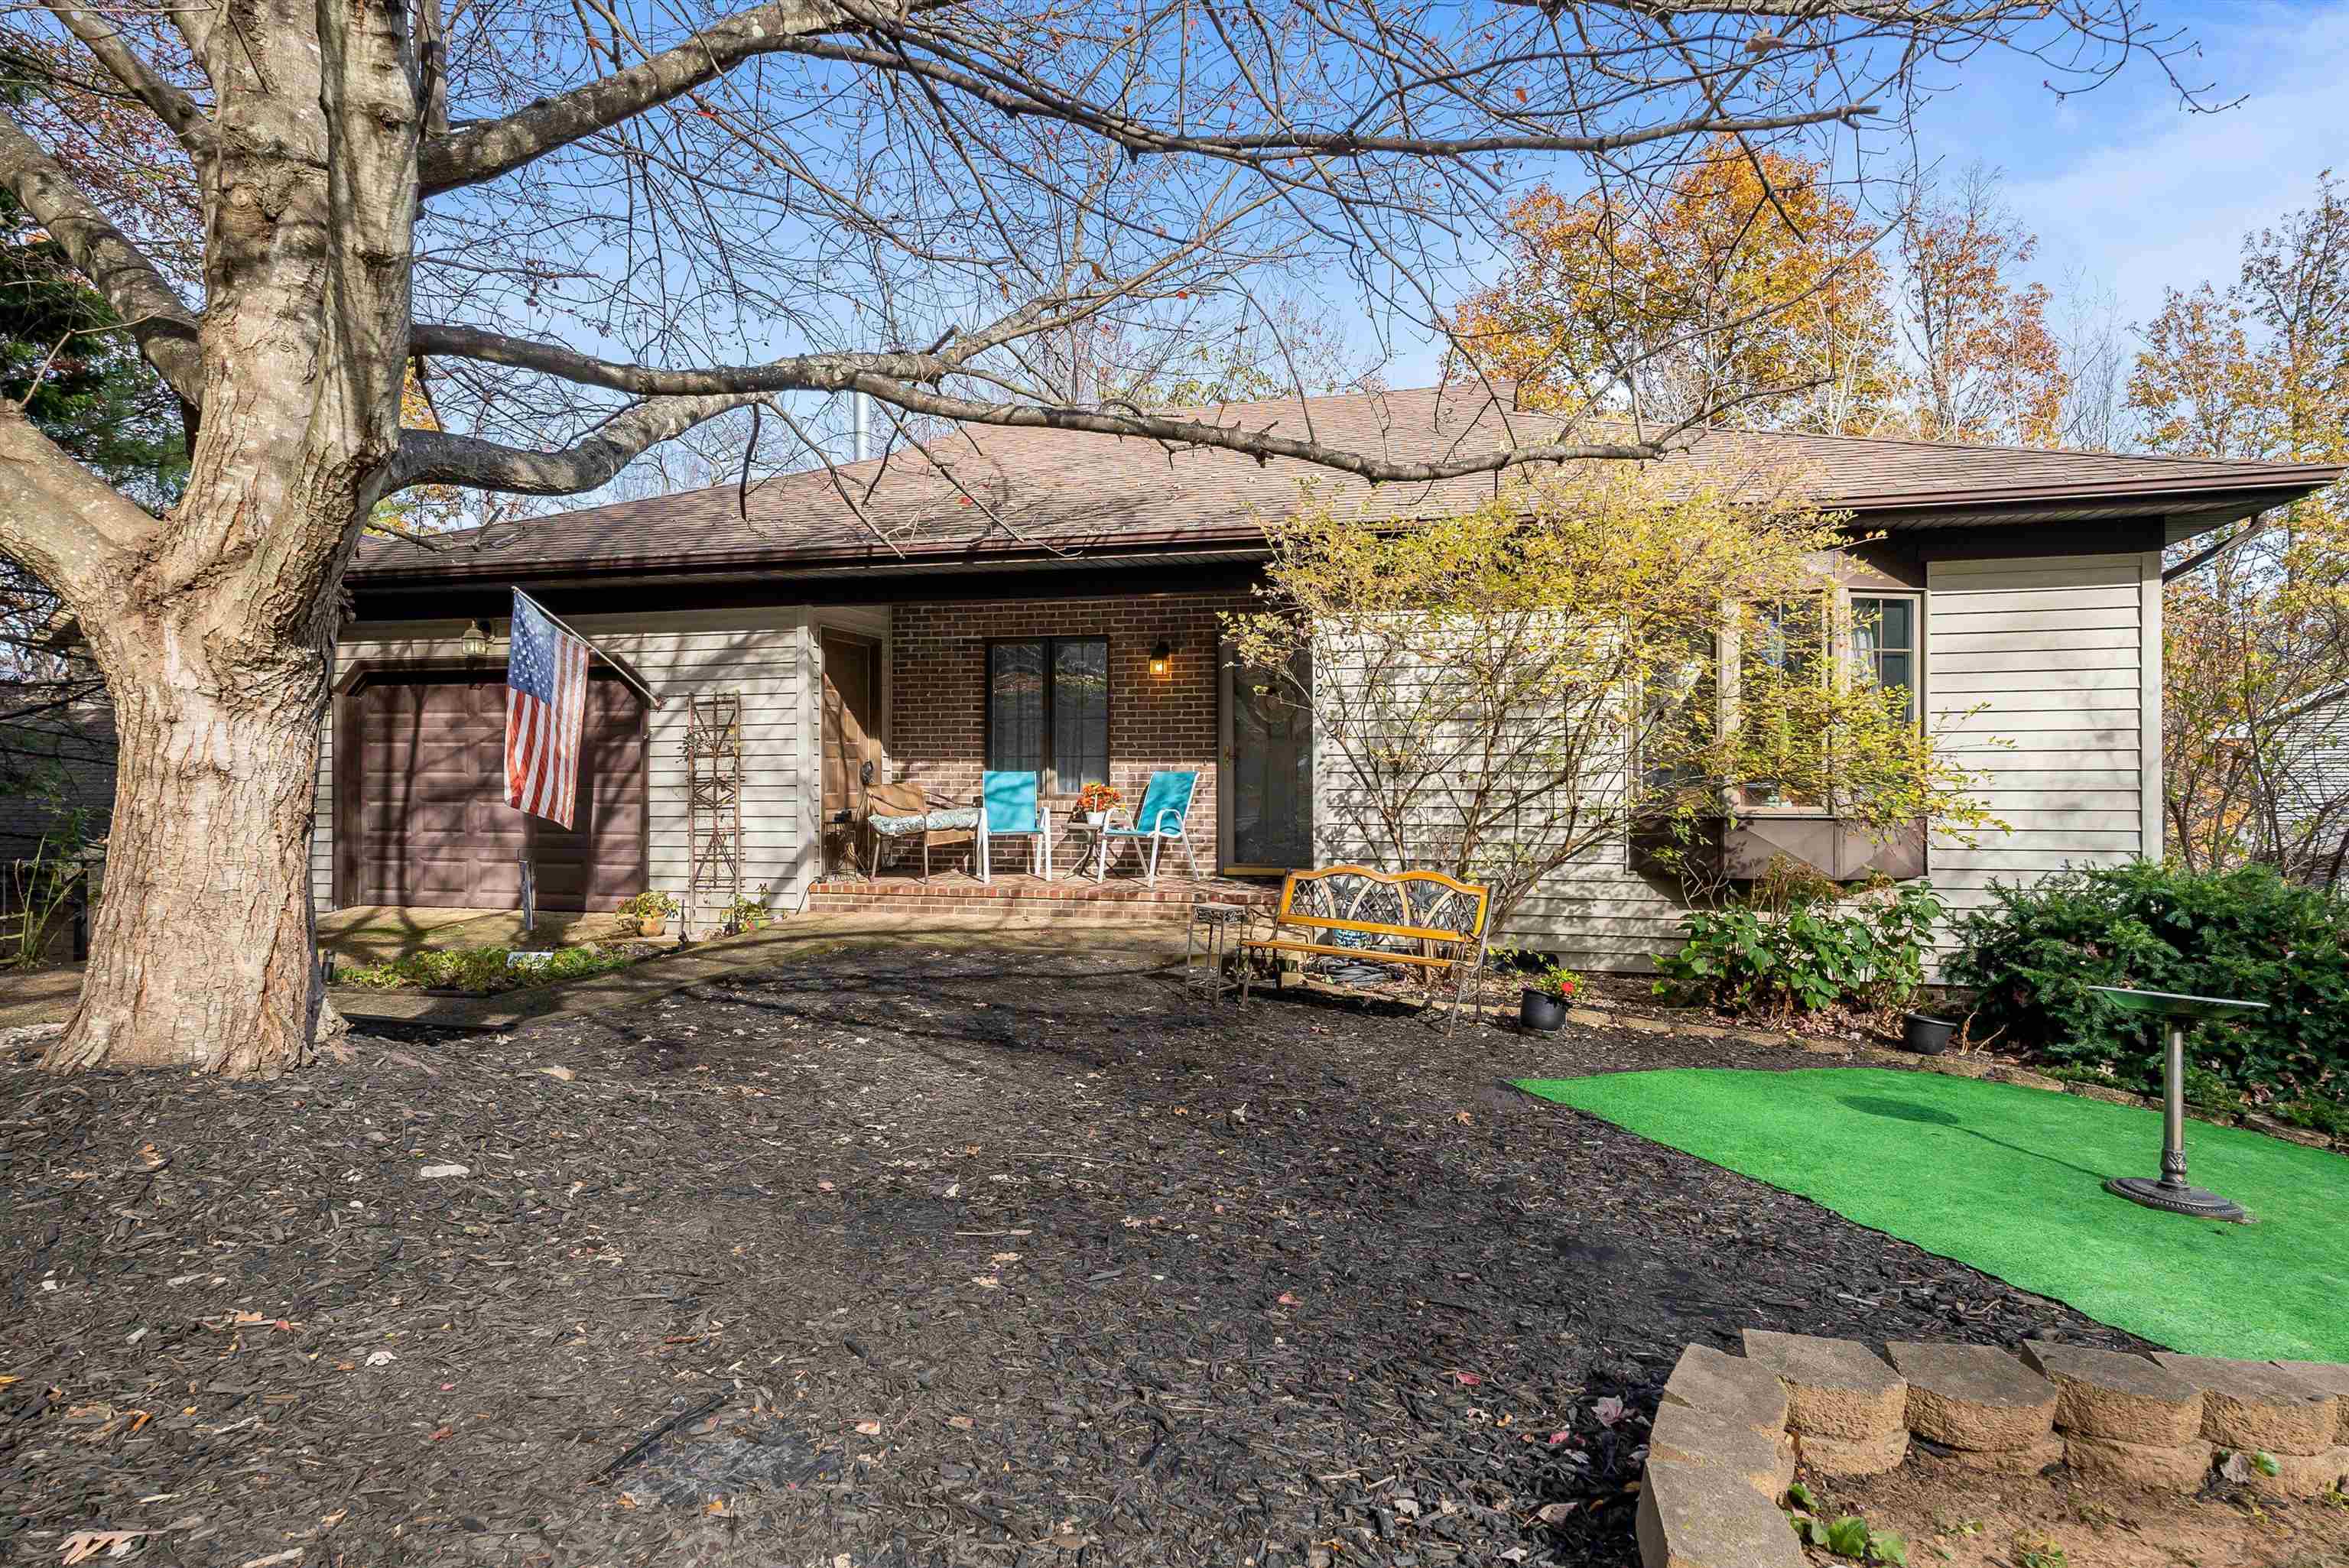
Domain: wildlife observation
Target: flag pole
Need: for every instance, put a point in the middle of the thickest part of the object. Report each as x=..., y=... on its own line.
x=619, y=668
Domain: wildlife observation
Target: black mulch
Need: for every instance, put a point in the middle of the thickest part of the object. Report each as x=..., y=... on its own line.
x=924, y=1258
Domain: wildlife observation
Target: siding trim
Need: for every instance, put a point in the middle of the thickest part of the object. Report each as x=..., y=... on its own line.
x=2149, y=694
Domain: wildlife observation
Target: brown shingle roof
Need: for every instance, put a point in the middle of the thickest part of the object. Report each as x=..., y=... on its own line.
x=1036, y=489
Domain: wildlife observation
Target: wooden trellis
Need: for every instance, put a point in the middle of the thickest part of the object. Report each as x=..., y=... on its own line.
x=713, y=776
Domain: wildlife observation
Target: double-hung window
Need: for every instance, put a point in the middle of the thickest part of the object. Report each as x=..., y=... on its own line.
x=1047, y=709
x=1884, y=642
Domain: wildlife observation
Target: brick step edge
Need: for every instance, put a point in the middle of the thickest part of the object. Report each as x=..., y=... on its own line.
x=1715, y=1491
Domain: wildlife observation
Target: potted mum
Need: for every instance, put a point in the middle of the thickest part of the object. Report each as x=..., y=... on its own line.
x=1093, y=803
x=1542, y=1006
x=650, y=910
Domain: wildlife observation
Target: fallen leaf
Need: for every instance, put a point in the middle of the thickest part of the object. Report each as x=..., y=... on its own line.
x=1004, y=1258
x=868, y=1429
x=1463, y=1119
x=84, y=1544
x=960, y=1423
x=823, y=1187
x=1468, y=1379
x=563, y=1073
x=1608, y=1410
x=431, y=1173
x=380, y=1358
x=1552, y=1512
x=1289, y=1300
x=986, y=1282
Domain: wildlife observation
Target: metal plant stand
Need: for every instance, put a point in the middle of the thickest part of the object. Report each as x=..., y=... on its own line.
x=1208, y=946
x=2170, y=1192
x=713, y=794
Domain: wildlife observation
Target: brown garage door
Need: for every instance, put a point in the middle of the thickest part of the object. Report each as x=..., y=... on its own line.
x=422, y=806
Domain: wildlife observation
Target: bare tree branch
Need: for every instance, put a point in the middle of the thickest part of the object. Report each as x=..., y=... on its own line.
x=105, y=41
x=438, y=457
x=470, y=153
x=164, y=329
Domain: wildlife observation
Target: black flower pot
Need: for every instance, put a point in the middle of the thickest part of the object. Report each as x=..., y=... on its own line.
x=1540, y=1012
x=1926, y=1035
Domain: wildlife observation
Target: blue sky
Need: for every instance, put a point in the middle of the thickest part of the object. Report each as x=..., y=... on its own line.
x=2138, y=193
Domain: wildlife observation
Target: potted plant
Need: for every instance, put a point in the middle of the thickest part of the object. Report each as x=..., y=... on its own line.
x=1542, y=1006
x=1095, y=801
x=650, y=910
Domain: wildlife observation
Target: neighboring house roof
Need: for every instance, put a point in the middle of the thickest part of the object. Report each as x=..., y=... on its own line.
x=1042, y=492
x=72, y=743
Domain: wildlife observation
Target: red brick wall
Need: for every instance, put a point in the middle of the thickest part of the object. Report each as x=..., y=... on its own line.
x=938, y=666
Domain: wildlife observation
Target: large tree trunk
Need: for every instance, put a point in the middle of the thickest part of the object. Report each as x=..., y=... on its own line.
x=216, y=629
x=201, y=956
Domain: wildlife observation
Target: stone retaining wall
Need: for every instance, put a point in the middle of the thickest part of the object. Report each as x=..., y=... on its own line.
x=1731, y=1429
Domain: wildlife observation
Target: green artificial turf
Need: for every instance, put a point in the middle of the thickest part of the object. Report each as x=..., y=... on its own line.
x=2009, y=1181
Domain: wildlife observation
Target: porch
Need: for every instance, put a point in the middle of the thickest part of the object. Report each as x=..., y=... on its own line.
x=1015, y=898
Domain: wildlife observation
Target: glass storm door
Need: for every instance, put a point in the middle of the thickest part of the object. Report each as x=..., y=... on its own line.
x=1267, y=771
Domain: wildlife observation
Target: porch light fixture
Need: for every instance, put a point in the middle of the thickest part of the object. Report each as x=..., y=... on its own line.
x=477, y=639
x=1162, y=658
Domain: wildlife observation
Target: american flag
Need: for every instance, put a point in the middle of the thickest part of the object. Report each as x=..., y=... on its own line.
x=546, y=702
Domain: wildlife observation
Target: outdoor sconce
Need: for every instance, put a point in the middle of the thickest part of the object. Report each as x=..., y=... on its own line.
x=1162, y=658
x=477, y=639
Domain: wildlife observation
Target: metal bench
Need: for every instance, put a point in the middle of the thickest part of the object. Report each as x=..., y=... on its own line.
x=1400, y=918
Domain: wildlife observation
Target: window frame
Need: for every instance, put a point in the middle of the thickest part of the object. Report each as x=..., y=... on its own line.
x=1834, y=599
x=1048, y=768
x=1915, y=600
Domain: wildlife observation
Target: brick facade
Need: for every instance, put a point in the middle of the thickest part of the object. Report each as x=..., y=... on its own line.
x=938, y=664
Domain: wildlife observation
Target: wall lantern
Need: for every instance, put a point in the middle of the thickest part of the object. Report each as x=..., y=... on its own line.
x=477, y=639
x=1162, y=658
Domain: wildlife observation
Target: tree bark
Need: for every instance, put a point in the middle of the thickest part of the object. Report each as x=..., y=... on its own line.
x=202, y=952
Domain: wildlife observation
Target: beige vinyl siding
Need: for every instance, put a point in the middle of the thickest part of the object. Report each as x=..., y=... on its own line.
x=2062, y=658
x=766, y=655
x=2045, y=677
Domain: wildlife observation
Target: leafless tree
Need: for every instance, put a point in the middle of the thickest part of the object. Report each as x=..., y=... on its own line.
x=603, y=225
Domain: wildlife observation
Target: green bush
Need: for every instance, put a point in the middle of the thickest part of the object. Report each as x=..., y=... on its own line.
x=1809, y=954
x=483, y=970
x=2247, y=934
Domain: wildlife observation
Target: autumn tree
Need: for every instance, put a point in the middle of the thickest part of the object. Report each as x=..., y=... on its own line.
x=1748, y=283
x=602, y=226
x=2256, y=661
x=1986, y=366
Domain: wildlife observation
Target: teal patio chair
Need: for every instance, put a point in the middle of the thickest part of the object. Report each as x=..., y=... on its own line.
x=1159, y=820
x=1009, y=807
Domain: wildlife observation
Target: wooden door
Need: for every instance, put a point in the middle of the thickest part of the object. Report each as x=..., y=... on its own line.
x=852, y=738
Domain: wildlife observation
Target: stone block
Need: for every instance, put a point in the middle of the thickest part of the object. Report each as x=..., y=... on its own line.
x=2119, y=1397
x=1974, y=1396
x=1730, y=1386
x=1686, y=1435
x=1836, y=1389
x=2329, y=1375
x=2181, y=1467
x=2301, y=1475
x=2026, y=1460
x=1587, y=1017
x=1700, y=1516
x=1862, y=1456
x=2258, y=1405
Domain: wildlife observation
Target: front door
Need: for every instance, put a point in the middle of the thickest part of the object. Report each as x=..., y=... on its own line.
x=852, y=738
x=1267, y=804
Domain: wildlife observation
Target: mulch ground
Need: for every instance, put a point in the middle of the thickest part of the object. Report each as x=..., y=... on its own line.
x=950, y=1258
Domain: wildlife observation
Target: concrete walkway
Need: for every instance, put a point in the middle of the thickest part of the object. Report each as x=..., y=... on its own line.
x=49, y=996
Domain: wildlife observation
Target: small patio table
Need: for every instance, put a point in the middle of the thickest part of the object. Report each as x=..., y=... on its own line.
x=1094, y=838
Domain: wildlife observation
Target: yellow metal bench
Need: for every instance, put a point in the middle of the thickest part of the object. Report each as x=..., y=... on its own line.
x=1399, y=918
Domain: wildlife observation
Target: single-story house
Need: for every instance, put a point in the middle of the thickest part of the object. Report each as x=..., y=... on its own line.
x=1053, y=604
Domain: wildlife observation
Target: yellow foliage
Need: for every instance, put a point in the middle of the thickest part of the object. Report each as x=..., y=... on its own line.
x=1504, y=692
x=1728, y=288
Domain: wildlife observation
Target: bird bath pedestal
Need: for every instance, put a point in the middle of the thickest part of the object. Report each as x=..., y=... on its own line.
x=2170, y=1192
